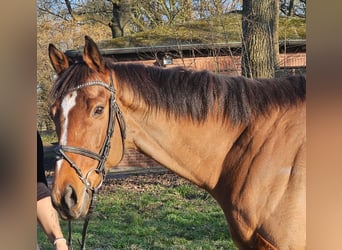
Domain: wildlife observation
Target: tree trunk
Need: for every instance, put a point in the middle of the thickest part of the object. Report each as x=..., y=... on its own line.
x=291, y=8
x=115, y=25
x=260, y=45
x=121, y=16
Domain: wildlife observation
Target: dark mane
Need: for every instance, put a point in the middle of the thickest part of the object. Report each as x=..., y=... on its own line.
x=183, y=92
x=76, y=74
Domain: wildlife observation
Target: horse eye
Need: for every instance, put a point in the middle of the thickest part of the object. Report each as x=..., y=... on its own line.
x=98, y=110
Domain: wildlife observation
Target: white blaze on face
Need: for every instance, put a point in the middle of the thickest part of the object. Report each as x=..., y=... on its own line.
x=68, y=103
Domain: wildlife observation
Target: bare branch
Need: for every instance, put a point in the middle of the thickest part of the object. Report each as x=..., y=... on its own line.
x=53, y=13
x=71, y=12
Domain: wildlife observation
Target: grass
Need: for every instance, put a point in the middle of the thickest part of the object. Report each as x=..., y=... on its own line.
x=181, y=217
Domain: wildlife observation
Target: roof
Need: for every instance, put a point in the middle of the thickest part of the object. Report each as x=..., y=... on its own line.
x=184, y=50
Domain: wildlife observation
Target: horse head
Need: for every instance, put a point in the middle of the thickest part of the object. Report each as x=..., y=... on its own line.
x=85, y=111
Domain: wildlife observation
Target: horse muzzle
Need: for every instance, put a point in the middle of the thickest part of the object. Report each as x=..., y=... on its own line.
x=71, y=204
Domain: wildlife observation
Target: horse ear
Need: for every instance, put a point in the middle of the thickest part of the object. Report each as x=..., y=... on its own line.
x=58, y=59
x=92, y=56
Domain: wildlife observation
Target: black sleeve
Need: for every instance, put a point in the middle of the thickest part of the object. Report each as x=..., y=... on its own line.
x=40, y=161
x=42, y=191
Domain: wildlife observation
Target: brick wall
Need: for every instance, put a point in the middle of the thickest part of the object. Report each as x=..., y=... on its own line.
x=134, y=158
x=231, y=65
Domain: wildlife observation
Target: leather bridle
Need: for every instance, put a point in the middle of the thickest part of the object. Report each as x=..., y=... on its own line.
x=101, y=157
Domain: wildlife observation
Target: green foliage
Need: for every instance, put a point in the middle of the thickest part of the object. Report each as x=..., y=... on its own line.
x=292, y=28
x=183, y=217
x=48, y=136
x=217, y=29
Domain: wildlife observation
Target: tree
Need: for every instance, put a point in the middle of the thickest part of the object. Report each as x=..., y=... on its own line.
x=293, y=7
x=53, y=23
x=260, y=45
x=121, y=12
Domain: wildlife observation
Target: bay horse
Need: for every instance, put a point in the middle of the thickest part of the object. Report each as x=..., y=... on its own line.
x=243, y=140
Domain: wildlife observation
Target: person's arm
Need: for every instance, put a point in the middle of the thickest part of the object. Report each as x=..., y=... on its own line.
x=48, y=219
x=46, y=214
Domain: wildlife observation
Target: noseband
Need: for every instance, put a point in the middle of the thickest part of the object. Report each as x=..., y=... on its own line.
x=101, y=157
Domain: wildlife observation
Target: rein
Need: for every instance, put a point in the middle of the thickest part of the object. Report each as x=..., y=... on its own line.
x=101, y=157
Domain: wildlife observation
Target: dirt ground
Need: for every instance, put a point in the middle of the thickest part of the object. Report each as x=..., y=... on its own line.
x=142, y=182
x=135, y=179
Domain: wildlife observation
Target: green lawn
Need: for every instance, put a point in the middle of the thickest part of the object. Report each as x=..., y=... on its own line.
x=153, y=216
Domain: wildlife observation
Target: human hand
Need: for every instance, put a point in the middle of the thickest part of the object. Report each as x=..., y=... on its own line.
x=60, y=244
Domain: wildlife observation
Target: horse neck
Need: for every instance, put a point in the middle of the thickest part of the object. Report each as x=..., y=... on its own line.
x=191, y=150
x=267, y=149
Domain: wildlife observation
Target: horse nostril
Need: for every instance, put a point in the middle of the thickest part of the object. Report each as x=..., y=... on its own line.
x=70, y=198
